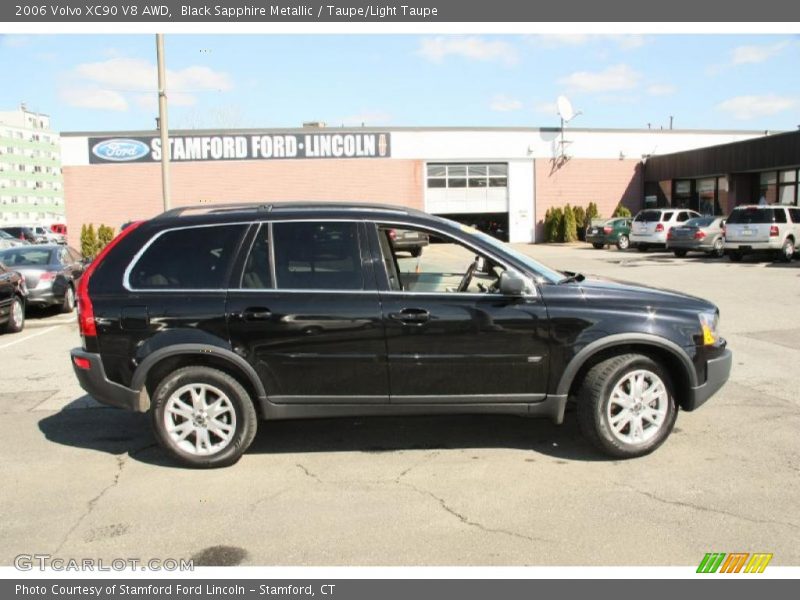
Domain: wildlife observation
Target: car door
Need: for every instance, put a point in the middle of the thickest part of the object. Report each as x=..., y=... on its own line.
x=446, y=345
x=6, y=293
x=306, y=314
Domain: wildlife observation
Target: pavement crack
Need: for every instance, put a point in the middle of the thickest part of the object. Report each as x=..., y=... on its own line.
x=90, y=506
x=308, y=473
x=467, y=521
x=407, y=470
x=706, y=508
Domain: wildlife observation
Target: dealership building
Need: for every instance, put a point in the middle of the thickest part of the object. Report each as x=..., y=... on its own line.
x=499, y=179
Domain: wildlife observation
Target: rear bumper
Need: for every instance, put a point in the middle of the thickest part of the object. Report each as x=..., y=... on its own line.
x=717, y=372
x=654, y=239
x=773, y=244
x=689, y=245
x=94, y=381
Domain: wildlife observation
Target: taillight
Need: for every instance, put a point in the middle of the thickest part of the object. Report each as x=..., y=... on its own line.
x=48, y=276
x=82, y=363
x=606, y=230
x=773, y=231
x=86, y=322
x=669, y=234
x=699, y=235
x=659, y=227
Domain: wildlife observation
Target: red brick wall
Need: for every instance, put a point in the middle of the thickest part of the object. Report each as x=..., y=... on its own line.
x=607, y=182
x=114, y=194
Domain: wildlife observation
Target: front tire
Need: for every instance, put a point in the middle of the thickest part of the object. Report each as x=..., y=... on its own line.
x=16, y=316
x=203, y=417
x=623, y=243
x=626, y=406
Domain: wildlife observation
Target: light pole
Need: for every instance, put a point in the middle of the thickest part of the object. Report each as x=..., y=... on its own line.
x=162, y=120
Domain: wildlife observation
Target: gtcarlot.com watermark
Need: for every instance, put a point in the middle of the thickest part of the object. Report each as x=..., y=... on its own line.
x=42, y=562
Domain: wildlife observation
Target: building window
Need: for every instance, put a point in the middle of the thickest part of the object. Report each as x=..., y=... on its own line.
x=467, y=175
x=767, y=188
x=706, y=195
x=787, y=187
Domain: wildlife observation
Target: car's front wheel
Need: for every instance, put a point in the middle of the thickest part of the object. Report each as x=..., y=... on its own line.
x=626, y=406
x=203, y=417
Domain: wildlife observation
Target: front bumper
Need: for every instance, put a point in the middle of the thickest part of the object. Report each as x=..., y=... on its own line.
x=717, y=372
x=94, y=381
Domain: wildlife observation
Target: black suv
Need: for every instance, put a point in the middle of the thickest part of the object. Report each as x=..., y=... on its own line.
x=211, y=317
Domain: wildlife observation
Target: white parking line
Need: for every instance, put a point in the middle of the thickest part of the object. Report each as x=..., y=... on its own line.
x=37, y=334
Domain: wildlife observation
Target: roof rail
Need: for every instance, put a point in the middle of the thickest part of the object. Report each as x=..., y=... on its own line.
x=214, y=208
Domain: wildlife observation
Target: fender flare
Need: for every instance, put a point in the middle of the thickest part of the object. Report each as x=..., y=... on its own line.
x=622, y=339
x=140, y=374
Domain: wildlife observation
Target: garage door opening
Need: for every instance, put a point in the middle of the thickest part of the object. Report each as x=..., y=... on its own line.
x=494, y=224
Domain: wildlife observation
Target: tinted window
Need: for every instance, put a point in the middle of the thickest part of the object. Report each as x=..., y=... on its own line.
x=26, y=257
x=319, y=255
x=194, y=258
x=794, y=213
x=751, y=215
x=703, y=222
x=667, y=216
x=780, y=216
x=648, y=216
x=257, y=274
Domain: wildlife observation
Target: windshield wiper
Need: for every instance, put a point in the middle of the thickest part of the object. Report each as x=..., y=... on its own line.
x=570, y=277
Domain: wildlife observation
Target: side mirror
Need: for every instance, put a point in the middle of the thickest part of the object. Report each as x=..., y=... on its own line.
x=511, y=283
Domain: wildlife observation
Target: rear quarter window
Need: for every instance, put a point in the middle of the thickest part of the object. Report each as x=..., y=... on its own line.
x=192, y=258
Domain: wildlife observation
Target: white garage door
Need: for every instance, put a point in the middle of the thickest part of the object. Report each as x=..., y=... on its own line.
x=466, y=188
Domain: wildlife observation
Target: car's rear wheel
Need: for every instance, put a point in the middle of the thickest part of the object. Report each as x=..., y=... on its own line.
x=623, y=243
x=203, y=417
x=68, y=305
x=626, y=406
x=719, y=248
x=16, y=316
x=680, y=253
x=598, y=245
x=787, y=250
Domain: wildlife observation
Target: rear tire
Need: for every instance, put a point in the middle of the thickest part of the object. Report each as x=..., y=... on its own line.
x=623, y=243
x=631, y=380
x=719, y=248
x=416, y=252
x=680, y=253
x=787, y=250
x=16, y=316
x=598, y=246
x=203, y=417
x=68, y=305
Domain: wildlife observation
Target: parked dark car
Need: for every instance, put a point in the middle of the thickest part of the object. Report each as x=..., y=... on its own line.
x=51, y=273
x=25, y=234
x=613, y=232
x=12, y=300
x=200, y=317
x=701, y=234
x=408, y=241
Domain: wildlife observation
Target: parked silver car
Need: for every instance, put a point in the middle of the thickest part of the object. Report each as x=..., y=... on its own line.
x=650, y=226
x=701, y=234
x=762, y=229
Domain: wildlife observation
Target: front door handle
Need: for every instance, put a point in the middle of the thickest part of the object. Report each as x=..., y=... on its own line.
x=257, y=313
x=411, y=316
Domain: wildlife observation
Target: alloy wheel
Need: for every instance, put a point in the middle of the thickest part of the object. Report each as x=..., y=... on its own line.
x=637, y=407
x=200, y=419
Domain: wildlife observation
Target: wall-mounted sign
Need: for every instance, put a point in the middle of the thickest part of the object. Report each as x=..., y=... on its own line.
x=251, y=146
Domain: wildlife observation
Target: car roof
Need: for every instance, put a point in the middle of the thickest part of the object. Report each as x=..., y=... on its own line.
x=767, y=206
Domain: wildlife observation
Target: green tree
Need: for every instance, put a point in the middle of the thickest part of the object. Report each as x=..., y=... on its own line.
x=88, y=241
x=553, y=226
x=104, y=236
x=591, y=213
x=580, y=221
x=621, y=211
x=568, y=226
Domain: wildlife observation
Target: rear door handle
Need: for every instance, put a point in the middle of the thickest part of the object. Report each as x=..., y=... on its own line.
x=411, y=316
x=257, y=313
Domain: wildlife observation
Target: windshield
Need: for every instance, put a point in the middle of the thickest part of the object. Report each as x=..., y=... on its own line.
x=702, y=222
x=5, y=236
x=751, y=215
x=648, y=216
x=25, y=257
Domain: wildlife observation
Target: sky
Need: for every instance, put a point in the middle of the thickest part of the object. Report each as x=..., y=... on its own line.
x=108, y=82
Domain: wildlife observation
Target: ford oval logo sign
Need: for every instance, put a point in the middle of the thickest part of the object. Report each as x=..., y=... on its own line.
x=120, y=150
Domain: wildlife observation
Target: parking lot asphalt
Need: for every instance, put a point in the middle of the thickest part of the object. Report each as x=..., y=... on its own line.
x=82, y=480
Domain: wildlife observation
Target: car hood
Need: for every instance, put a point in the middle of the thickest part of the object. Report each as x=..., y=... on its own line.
x=623, y=291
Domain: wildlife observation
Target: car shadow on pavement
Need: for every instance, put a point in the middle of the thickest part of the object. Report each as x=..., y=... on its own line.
x=121, y=432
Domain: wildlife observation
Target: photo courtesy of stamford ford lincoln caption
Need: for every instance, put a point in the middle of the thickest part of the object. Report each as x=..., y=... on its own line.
x=214, y=316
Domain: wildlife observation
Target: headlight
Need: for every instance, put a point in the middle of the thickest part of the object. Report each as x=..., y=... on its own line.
x=709, y=323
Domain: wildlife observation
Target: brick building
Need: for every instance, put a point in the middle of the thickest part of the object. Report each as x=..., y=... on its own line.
x=503, y=179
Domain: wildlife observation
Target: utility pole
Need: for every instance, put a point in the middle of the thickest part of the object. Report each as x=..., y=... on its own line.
x=162, y=120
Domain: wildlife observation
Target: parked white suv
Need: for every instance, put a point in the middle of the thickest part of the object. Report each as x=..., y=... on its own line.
x=755, y=229
x=650, y=226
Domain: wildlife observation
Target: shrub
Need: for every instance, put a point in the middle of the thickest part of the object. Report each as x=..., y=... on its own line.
x=568, y=226
x=104, y=235
x=591, y=213
x=580, y=221
x=553, y=225
x=88, y=241
x=621, y=211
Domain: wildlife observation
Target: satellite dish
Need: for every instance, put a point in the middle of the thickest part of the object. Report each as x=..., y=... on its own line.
x=565, y=110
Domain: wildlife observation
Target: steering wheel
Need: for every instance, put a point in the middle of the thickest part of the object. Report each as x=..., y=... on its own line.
x=465, y=281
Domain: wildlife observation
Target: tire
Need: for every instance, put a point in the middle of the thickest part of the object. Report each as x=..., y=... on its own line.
x=598, y=246
x=679, y=253
x=239, y=414
x=735, y=256
x=719, y=248
x=623, y=243
x=787, y=250
x=416, y=252
x=597, y=410
x=68, y=305
x=642, y=247
x=16, y=317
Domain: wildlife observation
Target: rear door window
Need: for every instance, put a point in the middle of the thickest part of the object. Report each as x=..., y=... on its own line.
x=319, y=255
x=194, y=258
x=666, y=216
x=648, y=216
